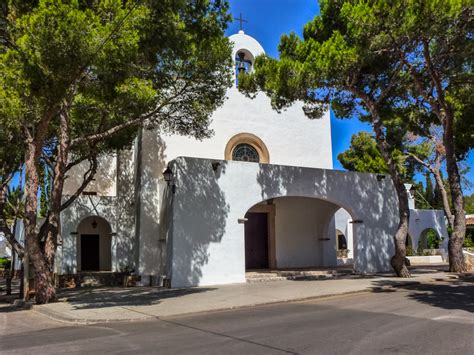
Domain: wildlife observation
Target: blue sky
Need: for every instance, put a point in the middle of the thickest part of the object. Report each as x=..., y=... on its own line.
x=267, y=21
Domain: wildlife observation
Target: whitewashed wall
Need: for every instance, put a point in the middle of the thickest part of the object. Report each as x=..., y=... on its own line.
x=105, y=180
x=304, y=237
x=208, y=242
x=290, y=137
x=118, y=211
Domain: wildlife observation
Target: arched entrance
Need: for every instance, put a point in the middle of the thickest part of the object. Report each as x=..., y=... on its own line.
x=94, y=244
x=341, y=244
x=429, y=239
x=291, y=232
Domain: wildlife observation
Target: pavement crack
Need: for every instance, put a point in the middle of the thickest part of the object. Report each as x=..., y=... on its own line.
x=228, y=336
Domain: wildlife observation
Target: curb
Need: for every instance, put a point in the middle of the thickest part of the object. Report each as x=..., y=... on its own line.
x=375, y=289
x=57, y=316
x=78, y=321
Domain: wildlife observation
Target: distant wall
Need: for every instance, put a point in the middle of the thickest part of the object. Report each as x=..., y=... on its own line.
x=420, y=220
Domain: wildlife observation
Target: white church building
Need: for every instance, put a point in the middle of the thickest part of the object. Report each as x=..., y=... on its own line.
x=260, y=194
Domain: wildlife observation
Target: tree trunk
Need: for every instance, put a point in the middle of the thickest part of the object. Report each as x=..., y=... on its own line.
x=456, y=239
x=444, y=111
x=53, y=220
x=44, y=289
x=444, y=196
x=398, y=261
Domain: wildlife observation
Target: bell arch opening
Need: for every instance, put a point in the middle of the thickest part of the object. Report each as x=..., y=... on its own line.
x=94, y=244
x=244, y=60
x=292, y=232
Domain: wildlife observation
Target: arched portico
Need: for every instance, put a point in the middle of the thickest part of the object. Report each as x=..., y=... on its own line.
x=211, y=199
x=291, y=232
x=94, y=244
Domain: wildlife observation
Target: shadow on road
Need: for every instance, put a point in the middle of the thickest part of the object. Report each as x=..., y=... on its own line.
x=451, y=295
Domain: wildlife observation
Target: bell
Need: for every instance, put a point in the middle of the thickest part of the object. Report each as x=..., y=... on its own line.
x=241, y=67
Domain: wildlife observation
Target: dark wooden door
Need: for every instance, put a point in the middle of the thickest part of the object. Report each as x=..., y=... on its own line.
x=90, y=259
x=256, y=241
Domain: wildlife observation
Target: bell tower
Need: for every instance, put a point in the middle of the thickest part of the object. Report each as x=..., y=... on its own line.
x=245, y=50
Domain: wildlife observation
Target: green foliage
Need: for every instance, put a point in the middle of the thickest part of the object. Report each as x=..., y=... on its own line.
x=14, y=206
x=353, y=50
x=5, y=263
x=363, y=155
x=432, y=239
x=429, y=191
x=469, y=239
x=114, y=61
x=469, y=204
x=80, y=78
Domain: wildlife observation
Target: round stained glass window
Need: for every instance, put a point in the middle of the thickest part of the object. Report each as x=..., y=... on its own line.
x=245, y=152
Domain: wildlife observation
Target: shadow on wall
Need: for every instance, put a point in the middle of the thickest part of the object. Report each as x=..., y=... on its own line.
x=117, y=210
x=363, y=196
x=105, y=179
x=151, y=166
x=198, y=228
x=83, y=207
x=124, y=242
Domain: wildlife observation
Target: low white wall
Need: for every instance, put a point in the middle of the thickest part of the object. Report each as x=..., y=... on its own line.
x=420, y=220
x=431, y=259
x=208, y=241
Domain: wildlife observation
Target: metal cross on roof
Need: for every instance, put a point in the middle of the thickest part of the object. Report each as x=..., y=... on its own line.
x=241, y=20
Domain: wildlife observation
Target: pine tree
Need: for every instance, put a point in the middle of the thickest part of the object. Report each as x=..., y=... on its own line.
x=429, y=191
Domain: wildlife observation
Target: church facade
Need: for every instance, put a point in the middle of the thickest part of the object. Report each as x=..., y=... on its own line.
x=261, y=193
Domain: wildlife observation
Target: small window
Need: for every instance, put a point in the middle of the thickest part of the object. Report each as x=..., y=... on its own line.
x=246, y=147
x=245, y=152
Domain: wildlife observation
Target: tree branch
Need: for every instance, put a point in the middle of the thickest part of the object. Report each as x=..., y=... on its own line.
x=88, y=177
x=391, y=83
x=425, y=164
x=434, y=76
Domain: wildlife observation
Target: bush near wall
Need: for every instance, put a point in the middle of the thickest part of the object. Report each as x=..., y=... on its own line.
x=5, y=263
x=469, y=239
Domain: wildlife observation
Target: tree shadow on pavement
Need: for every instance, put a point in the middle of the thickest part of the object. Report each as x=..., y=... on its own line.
x=111, y=297
x=450, y=295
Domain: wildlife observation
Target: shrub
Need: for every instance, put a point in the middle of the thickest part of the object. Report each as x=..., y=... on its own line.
x=5, y=263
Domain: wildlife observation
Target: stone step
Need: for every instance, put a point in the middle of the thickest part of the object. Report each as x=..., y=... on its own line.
x=282, y=275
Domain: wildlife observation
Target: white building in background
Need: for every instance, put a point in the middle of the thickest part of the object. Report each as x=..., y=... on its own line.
x=261, y=193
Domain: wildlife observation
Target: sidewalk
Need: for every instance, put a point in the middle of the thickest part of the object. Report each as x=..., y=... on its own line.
x=100, y=305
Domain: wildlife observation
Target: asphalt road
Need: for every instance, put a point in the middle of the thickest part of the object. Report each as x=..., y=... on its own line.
x=426, y=319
